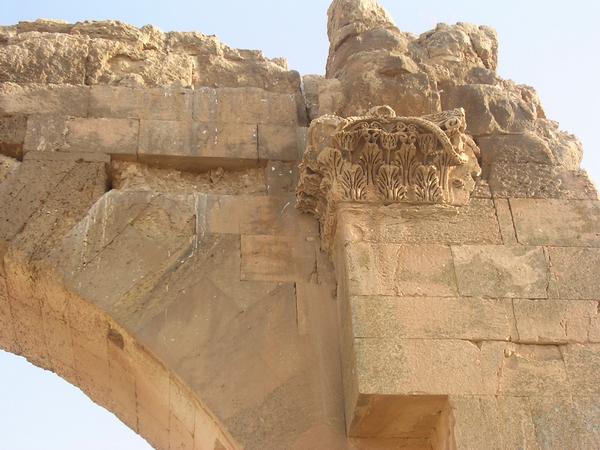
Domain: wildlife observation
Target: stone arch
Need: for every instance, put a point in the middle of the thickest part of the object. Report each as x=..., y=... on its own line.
x=63, y=332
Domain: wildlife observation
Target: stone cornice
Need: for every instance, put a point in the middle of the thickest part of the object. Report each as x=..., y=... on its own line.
x=384, y=159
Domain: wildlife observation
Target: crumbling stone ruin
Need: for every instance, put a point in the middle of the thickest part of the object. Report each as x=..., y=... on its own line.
x=403, y=253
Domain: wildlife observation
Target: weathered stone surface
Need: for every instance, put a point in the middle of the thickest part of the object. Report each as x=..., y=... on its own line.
x=45, y=133
x=526, y=147
x=404, y=270
x=44, y=99
x=505, y=221
x=197, y=139
x=12, y=135
x=557, y=321
x=490, y=109
x=501, y=271
x=403, y=366
x=475, y=223
x=508, y=180
x=267, y=215
x=7, y=166
x=536, y=222
x=576, y=272
x=277, y=258
x=532, y=370
x=282, y=143
x=474, y=319
x=138, y=103
x=112, y=136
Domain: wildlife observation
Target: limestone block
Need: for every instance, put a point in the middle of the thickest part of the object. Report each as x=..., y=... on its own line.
x=490, y=109
x=474, y=319
x=281, y=177
x=44, y=25
x=12, y=135
x=139, y=235
x=555, y=425
x=61, y=99
x=265, y=215
x=526, y=147
x=45, y=133
x=508, y=180
x=49, y=58
x=282, y=143
x=493, y=422
x=8, y=166
x=397, y=366
x=576, y=272
x=568, y=223
x=582, y=362
x=140, y=103
x=277, y=258
x=505, y=220
x=501, y=271
x=404, y=270
x=557, y=321
x=587, y=418
x=113, y=62
x=251, y=105
x=197, y=139
x=532, y=370
x=25, y=192
x=475, y=223
x=113, y=136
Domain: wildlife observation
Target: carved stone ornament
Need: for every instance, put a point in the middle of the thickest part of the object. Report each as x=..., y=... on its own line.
x=384, y=159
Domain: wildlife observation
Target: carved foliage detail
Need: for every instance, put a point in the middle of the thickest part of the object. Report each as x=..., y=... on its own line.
x=381, y=158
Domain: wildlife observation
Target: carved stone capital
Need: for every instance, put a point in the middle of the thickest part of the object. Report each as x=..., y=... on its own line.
x=384, y=159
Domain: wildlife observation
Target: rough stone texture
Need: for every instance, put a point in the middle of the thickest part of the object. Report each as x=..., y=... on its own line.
x=151, y=254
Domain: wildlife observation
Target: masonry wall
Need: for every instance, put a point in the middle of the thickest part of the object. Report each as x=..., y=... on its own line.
x=152, y=253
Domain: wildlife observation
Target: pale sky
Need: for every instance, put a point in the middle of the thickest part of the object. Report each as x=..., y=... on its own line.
x=551, y=45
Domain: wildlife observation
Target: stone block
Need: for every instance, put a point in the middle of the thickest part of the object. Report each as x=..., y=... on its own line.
x=576, y=272
x=12, y=135
x=524, y=147
x=489, y=109
x=557, y=321
x=281, y=142
x=476, y=423
x=404, y=270
x=510, y=180
x=474, y=319
x=179, y=437
x=254, y=105
x=197, y=139
x=140, y=103
x=586, y=413
x=281, y=177
x=554, y=422
x=505, y=220
x=113, y=136
x=397, y=366
x=557, y=222
x=277, y=258
x=501, y=271
x=45, y=133
x=254, y=214
x=59, y=99
x=475, y=223
x=582, y=362
x=532, y=370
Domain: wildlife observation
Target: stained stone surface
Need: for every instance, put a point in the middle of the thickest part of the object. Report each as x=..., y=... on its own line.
x=152, y=254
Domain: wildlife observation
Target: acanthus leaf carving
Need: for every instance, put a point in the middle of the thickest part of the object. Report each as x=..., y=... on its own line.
x=381, y=158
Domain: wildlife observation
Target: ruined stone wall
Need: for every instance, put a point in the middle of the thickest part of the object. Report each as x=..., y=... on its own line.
x=152, y=253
